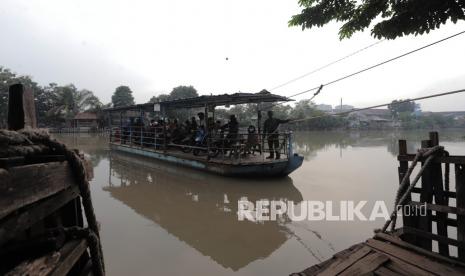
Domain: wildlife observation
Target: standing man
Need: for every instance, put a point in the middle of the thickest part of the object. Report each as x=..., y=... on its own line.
x=270, y=131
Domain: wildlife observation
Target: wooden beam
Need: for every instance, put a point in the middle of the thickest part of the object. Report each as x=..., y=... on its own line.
x=411, y=220
x=26, y=217
x=424, y=222
x=440, y=208
x=398, y=242
x=447, y=193
x=460, y=203
x=432, y=236
x=31, y=183
x=414, y=259
x=55, y=263
x=366, y=265
x=343, y=263
x=452, y=159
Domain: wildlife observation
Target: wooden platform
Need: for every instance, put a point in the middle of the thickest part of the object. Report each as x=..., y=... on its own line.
x=386, y=255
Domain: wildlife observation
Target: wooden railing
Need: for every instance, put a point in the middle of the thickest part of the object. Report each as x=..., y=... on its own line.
x=444, y=202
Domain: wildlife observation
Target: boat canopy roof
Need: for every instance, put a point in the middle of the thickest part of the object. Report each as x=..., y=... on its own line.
x=208, y=100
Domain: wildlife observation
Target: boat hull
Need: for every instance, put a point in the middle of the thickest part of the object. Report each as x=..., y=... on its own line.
x=253, y=169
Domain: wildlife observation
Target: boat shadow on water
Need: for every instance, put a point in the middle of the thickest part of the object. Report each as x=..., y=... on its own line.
x=201, y=209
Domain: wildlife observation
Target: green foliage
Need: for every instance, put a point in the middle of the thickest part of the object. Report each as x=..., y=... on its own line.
x=8, y=78
x=389, y=18
x=67, y=101
x=397, y=106
x=427, y=121
x=54, y=104
x=180, y=92
x=122, y=96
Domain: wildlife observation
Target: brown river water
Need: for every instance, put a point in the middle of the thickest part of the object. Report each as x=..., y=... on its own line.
x=159, y=219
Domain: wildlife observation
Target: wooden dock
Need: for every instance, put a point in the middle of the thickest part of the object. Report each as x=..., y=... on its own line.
x=432, y=243
x=385, y=255
x=43, y=195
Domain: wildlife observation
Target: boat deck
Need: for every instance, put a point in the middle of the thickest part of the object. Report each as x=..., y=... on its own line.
x=386, y=255
x=256, y=158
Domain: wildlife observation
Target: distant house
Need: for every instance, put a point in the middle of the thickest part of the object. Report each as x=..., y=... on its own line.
x=343, y=108
x=371, y=118
x=324, y=107
x=85, y=122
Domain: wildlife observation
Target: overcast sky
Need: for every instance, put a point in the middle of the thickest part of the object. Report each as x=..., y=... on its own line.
x=153, y=46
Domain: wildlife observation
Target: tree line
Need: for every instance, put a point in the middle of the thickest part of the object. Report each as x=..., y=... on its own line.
x=57, y=105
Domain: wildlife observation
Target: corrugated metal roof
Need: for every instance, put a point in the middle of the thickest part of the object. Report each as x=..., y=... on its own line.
x=211, y=100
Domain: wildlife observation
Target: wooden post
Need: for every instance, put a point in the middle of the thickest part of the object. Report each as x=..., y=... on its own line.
x=409, y=221
x=439, y=197
x=426, y=196
x=21, y=108
x=460, y=201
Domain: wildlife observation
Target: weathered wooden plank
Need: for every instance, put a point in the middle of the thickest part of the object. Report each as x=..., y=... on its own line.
x=367, y=264
x=384, y=271
x=414, y=259
x=11, y=162
x=31, y=183
x=398, y=242
x=452, y=159
x=337, y=258
x=411, y=220
x=403, y=268
x=426, y=195
x=45, y=158
x=450, y=221
x=70, y=254
x=439, y=197
x=343, y=263
x=55, y=263
x=26, y=217
x=447, y=193
x=460, y=203
x=432, y=236
x=440, y=208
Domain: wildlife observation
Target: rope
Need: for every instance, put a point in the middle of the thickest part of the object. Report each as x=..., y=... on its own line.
x=379, y=64
x=380, y=105
x=401, y=196
x=30, y=142
x=327, y=65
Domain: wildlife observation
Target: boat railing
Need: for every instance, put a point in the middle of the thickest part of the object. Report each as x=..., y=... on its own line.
x=241, y=147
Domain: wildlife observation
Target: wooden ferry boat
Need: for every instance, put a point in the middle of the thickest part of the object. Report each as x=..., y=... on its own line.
x=131, y=132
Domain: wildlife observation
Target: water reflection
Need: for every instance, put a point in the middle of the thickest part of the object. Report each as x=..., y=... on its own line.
x=159, y=219
x=201, y=209
x=309, y=143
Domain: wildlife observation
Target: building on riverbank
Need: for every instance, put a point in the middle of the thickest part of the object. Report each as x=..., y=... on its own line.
x=371, y=119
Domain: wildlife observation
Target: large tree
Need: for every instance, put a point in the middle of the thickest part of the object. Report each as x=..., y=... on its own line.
x=398, y=107
x=68, y=101
x=180, y=92
x=122, y=96
x=386, y=18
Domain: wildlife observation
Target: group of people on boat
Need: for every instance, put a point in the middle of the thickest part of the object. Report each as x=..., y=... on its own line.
x=201, y=133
